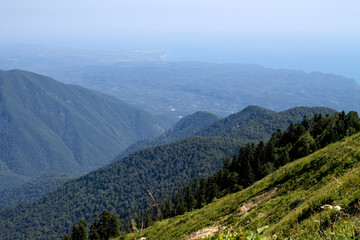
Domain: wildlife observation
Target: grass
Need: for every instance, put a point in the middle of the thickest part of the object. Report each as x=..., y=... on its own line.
x=288, y=201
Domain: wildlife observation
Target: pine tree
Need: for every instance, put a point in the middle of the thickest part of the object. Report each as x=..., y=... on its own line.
x=168, y=209
x=148, y=220
x=83, y=230
x=180, y=207
x=213, y=191
x=108, y=225
x=190, y=200
x=260, y=160
x=94, y=235
x=66, y=237
x=305, y=123
x=201, y=193
x=270, y=152
x=75, y=232
x=80, y=232
x=133, y=226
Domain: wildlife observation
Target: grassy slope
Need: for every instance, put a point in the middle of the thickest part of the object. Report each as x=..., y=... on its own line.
x=329, y=176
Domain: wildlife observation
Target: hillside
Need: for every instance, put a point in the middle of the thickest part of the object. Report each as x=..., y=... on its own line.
x=253, y=123
x=47, y=126
x=186, y=127
x=31, y=190
x=290, y=201
x=122, y=185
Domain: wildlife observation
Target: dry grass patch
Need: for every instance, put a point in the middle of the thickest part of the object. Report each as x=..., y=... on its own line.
x=205, y=232
x=253, y=202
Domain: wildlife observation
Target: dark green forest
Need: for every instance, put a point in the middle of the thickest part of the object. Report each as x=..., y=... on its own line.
x=186, y=127
x=103, y=227
x=253, y=123
x=32, y=190
x=122, y=186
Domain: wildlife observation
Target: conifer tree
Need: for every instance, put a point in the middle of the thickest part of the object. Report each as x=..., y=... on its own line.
x=201, y=193
x=189, y=198
x=108, y=225
x=94, y=235
x=305, y=123
x=168, y=209
x=133, y=226
x=148, y=220
x=75, y=232
x=180, y=208
x=66, y=237
x=83, y=230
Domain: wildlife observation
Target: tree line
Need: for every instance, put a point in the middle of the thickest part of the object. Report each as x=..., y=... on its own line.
x=102, y=228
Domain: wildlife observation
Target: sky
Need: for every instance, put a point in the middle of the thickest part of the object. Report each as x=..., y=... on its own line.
x=311, y=35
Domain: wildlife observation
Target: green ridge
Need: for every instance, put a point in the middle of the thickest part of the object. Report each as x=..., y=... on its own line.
x=186, y=127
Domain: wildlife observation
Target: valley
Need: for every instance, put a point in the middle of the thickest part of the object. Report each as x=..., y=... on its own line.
x=177, y=89
x=98, y=153
x=179, y=120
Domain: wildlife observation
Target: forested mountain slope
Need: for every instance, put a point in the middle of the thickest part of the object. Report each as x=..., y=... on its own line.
x=315, y=197
x=122, y=186
x=31, y=190
x=47, y=126
x=253, y=123
x=255, y=120
x=186, y=127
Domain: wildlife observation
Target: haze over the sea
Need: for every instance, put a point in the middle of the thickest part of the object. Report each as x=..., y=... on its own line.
x=309, y=35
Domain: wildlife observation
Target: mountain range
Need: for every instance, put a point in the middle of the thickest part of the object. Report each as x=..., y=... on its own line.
x=122, y=186
x=50, y=127
x=51, y=131
x=182, y=88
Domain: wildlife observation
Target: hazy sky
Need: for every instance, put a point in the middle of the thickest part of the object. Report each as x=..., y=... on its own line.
x=276, y=33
